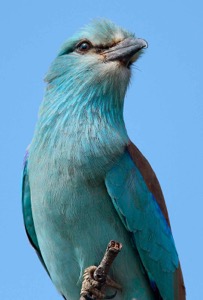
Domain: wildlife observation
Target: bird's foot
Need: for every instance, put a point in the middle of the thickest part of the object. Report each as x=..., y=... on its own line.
x=96, y=279
x=93, y=289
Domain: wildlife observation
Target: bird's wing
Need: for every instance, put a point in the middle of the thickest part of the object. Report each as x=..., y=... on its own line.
x=27, y=212
x=138, y=199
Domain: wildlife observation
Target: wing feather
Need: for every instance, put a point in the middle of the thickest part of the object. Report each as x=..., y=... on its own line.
x=134, y=190
x=27, y=213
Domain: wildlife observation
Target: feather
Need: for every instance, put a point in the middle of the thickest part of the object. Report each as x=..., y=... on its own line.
x=27, y=213
x=142, y=215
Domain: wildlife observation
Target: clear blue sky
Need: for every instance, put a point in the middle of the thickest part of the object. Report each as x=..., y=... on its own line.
x=163, y=112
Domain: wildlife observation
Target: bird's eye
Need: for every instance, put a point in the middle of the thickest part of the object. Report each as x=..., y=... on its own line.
x=83, y=46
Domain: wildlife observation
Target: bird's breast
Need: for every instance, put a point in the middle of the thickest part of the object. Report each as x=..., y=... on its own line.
x=81, y=152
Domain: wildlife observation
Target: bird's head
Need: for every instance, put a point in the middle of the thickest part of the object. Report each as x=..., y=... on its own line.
x=87, y=83
x=100, y=55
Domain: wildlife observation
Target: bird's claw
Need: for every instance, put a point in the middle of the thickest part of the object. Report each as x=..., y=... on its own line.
x=92, y=289
x=111, y=297
x=111, y=283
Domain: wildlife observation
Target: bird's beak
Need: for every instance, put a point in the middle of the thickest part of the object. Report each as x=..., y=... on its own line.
x=125, y=50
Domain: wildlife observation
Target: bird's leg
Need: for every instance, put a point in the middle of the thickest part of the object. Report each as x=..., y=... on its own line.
x=91, y=289
x=96, y=279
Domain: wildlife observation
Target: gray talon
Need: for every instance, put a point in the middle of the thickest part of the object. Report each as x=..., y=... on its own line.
x=112, y=296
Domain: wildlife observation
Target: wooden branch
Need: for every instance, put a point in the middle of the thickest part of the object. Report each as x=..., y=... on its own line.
x=95, y=278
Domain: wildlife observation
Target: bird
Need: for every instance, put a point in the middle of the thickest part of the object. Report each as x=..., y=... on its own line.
x=86, y=183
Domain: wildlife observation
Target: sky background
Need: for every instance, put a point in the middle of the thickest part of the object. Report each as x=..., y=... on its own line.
x=163, y=113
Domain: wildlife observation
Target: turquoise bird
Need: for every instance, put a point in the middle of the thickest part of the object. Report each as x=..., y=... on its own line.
x=85, y=183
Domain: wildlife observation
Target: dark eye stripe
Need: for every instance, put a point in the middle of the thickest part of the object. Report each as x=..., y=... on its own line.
x=102, y=47
x=84, y=46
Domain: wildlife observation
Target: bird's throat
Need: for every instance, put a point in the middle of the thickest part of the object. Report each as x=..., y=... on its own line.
x=80, y=117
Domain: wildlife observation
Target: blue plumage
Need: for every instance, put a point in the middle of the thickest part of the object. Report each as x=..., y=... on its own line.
x=85, y=183
x=144, y=219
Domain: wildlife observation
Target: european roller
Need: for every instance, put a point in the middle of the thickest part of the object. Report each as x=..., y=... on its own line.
x=85, y=183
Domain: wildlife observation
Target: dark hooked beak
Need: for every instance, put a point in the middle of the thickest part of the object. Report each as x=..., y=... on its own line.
x=125, y=50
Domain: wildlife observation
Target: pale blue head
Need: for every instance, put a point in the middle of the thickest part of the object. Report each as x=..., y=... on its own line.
x=101, y=53
x=87, y=82
x=91, y=73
